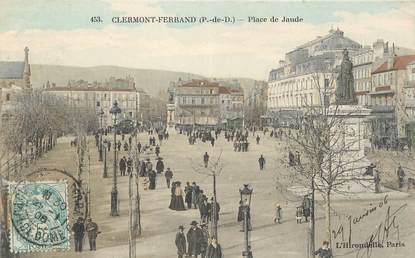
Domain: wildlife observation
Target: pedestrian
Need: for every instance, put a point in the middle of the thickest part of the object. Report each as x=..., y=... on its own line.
x=257, y=139
x=306, y=207
x=195, y=194
x=324, y=251
x=180, y=242
x=159, y=165
x=299, y=214
x=205, y=239
x=214, y=249
x=401, y=176
x=123, y=166
x=188, y=197
x=92, y=231
x=152, y=175
x=204, y=211
x=206, y=159
x=194, y=239
x=261, y=162
x=376, y=179
x=79, y=230
x=176, y=202
x=217, y=209
x=157, y=150
x=291, y=161
x=278, y=214
x=129, y=165
x=241, y=216
x=139, y=147
x=109, y=146
x=168, y=175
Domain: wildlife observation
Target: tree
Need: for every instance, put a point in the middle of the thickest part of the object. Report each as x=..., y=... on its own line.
x=213, y=169
x=320, y=136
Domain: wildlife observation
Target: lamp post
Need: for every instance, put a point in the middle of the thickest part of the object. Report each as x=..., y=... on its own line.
x=114, y=111
x=101, y=114
x=246, y=193
x=105, y=175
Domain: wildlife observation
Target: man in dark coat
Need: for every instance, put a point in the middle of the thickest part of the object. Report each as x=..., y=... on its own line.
x=159, y=166
x=261, y=162
x=168, y=175
x=157, y=150
x=306, y=207
x=401, y=176
x=152, y=178
x=123, y=166
x=195, y=194
x=92, y=230
x=194, y=239
x=214, y=250
x=188, y=198
x=180, y=242
x=206, y=159
x=205, y=239
x=324, y=251
x=129, y=165
x=79, y=230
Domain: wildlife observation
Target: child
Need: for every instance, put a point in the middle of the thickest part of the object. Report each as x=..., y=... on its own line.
x=278, y=214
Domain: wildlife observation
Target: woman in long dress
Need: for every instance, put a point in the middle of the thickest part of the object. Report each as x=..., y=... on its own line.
x=178, y=198
x=173, y=197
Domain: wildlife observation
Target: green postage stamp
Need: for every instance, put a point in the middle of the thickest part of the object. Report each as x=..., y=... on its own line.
x=39, y=217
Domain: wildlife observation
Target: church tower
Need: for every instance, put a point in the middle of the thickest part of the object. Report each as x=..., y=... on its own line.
x=26, y=71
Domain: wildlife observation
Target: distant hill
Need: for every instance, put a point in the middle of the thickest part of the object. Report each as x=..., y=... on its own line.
x=152, y=81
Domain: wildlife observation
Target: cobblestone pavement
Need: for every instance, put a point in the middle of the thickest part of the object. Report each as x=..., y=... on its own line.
x=287, y=240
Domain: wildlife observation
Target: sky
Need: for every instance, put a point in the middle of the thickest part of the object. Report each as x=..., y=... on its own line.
x=60, y=32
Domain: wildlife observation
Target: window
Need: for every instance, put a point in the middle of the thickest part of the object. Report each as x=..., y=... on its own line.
x=193, y=101
x=8, y=97
x=211, y=91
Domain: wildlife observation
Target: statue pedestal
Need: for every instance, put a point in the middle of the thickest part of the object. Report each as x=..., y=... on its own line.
x=354, y=127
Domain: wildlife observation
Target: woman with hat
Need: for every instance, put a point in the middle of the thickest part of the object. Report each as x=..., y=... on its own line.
x=177, y=202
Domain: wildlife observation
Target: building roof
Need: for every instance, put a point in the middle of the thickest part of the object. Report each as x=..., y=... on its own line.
x=199, y=83
x=334, y=40
x=11, y=70
x=224, y=90
x=400, y=63
x=57, y=88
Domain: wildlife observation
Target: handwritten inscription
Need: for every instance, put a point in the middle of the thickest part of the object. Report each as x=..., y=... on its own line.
x=385, y=235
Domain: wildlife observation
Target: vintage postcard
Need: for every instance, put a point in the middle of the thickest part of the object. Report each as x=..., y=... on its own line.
x=210, y=129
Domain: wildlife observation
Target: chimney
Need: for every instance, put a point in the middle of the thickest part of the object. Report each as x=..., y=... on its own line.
x=26, y=71
x=391, y=57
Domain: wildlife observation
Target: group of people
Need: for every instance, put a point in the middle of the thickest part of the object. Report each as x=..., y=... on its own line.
x=197, y=242
x=195, y=199
x=80, y=228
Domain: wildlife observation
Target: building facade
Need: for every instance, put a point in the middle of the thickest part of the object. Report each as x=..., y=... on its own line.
x=306, y=72
x=101, y=96
x=389, y=95
x=204, y=102
x=197, y=103
x=14, y=77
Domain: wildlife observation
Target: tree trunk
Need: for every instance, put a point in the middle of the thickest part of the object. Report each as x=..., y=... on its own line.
x=328, y=217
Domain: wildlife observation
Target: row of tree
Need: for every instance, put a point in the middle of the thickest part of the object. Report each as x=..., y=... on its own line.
x=37, y=119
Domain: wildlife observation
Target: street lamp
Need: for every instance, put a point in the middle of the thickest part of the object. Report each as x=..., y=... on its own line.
x=114, y=111
x=101, y=114
x=246, y=193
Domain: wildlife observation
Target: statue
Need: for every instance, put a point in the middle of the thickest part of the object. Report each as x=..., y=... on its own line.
x=345, y=93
